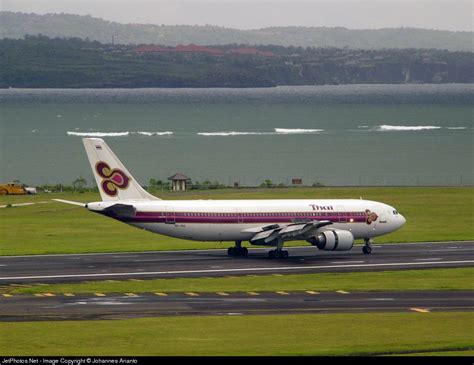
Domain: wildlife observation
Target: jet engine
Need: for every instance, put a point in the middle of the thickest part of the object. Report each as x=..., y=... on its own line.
x=333, y=240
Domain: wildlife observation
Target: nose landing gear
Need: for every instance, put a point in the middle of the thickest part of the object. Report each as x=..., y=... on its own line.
x=367, y=249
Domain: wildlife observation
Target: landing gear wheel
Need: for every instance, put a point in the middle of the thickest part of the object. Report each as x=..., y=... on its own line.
x=278, y=254
x=237, y=251
x=367, y=249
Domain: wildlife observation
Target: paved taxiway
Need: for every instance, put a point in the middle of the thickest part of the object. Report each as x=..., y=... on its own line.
x=81, y=267
x=131, y=305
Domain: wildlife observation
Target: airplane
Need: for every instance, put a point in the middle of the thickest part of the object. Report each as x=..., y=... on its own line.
x=329, y=224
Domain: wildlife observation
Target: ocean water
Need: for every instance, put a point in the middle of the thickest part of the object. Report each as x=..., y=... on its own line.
x=334, y=135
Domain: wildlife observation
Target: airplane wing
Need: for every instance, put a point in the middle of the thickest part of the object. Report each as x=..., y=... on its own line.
x=271, y=234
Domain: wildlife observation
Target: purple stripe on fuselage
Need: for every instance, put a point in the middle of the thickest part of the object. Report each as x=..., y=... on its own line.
x=256, y=218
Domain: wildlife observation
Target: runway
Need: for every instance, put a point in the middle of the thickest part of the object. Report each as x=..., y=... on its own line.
x=121, y=306
x=168, y=264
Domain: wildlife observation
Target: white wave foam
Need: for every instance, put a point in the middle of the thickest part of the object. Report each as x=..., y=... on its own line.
x=401, y=128
x=456, y=128
x=277, y=131
x=143, y=133
x=233, y=133
x=98, y=134
x=297, y=131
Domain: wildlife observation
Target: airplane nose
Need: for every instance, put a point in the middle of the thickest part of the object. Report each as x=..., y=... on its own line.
x=402, y=220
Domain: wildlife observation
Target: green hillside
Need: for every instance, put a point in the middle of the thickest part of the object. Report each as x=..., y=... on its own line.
x=42, y=62
x=17, y=25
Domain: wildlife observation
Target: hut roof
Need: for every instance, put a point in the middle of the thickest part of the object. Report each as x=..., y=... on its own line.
x=179, y=177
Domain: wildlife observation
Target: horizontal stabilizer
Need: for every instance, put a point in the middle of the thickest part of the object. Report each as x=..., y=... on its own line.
x=70, y=202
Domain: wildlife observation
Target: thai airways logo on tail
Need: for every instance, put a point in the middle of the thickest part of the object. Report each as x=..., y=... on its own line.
x=112, y=179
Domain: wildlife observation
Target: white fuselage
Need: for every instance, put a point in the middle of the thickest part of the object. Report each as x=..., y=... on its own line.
x=227, y=220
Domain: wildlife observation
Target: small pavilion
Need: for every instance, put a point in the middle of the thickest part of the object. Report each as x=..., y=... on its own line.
x=178, y=181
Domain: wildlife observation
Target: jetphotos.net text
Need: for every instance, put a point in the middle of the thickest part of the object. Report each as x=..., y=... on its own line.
x=65, y=361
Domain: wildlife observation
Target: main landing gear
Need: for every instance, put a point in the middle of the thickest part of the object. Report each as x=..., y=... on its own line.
x=367, y=249
x=278, y=254
x=237, y=250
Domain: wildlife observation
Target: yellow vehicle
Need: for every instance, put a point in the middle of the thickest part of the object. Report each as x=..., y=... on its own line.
x=12, y=189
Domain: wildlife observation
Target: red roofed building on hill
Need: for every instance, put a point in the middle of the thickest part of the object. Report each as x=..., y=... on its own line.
x=192, y=48
x=267, y=53
x=244, y=51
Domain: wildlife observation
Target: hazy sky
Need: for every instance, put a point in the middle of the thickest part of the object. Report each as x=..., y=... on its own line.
x=251, y=14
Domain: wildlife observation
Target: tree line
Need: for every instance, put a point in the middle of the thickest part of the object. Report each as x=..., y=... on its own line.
x=17, y=25
x=43, y=62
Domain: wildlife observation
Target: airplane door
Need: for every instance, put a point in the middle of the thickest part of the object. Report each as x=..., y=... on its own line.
x=170, y=217
x=240, y=218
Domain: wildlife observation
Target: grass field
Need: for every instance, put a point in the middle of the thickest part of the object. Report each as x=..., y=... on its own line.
x=441, y=353
x=433, y=214
x=430, y=279
x=316, y=334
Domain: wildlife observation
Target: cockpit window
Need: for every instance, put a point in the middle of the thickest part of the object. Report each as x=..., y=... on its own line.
x=395, y=212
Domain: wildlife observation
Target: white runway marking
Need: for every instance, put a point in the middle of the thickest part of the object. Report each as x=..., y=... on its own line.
x=448, y=250
x=420, y=310
x=430, y=259
x=236, y=270
x=97, y=303
x=347, y=262
x=219, y=250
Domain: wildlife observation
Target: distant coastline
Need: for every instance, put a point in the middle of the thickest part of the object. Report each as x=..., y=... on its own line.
x=43, y=62
x=314, y=94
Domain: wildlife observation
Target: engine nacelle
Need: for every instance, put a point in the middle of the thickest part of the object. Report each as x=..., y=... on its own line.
x=333, y=240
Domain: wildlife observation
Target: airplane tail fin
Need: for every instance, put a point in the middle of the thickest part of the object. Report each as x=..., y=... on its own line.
x=113, y=179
